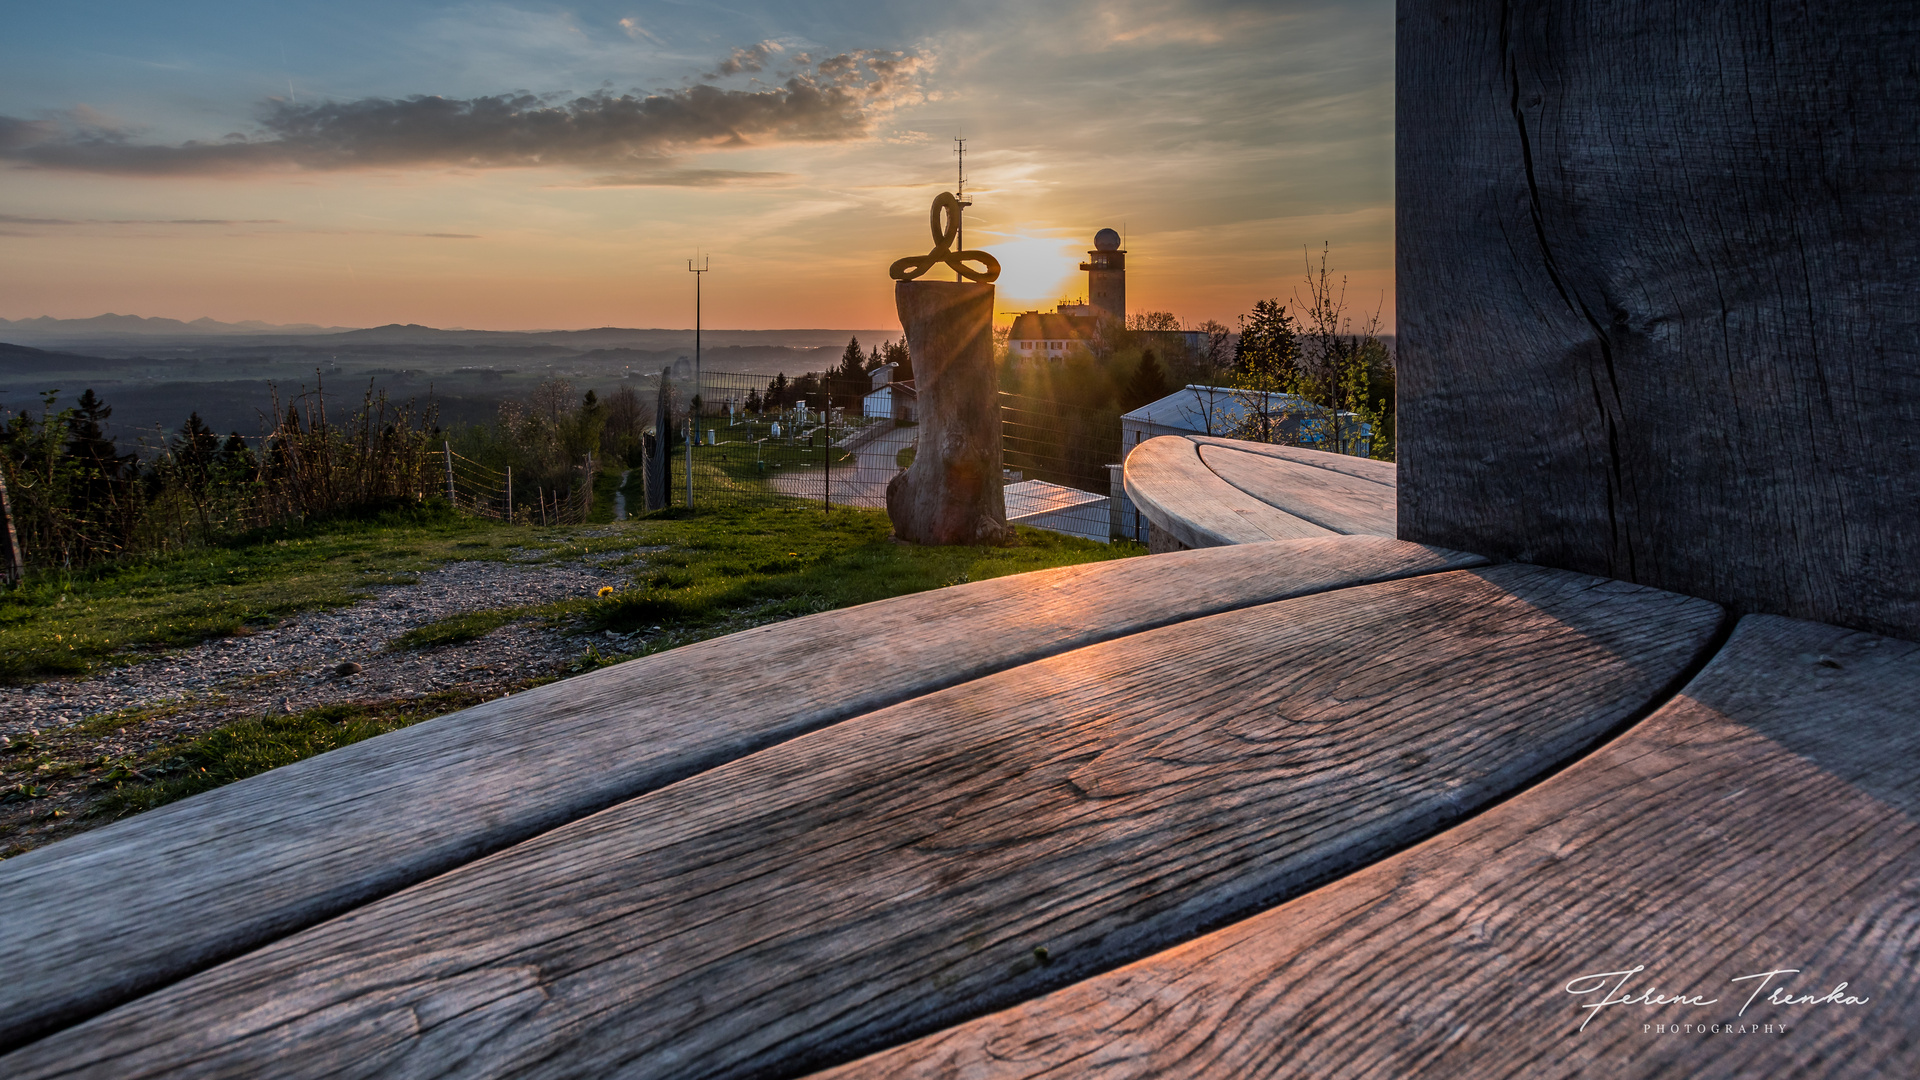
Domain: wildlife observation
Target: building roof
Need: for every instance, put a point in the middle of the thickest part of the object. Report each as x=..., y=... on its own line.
x=1031, y=498
x=903, y=387
x=1049, y=326
x=1207, y=410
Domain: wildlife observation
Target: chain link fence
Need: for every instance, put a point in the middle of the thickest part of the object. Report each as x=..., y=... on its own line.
x=735, y=440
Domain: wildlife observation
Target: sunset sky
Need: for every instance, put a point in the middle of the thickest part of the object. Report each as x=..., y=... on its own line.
x=537, y=166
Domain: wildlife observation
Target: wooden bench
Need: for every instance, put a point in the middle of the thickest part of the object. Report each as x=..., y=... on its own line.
x=1339, y=806
x=1199, y=491
x=107, y=915
x=896, y=871
x=1765, y=818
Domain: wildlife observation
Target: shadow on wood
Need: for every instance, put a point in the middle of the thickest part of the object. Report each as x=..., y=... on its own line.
x=1763, y=819
x=951, y=494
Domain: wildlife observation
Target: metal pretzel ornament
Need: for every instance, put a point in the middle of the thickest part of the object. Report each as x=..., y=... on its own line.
x=945, y=220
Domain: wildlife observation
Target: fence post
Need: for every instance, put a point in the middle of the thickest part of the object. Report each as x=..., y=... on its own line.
x=16, y=570
x=452, y=499
x=692, y=423
x=509, y=514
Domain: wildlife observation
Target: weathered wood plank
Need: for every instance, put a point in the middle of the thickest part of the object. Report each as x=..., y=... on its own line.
x=1329, y=499
x=95, y=919
x=1169, y=483
x=1379, y=472
x=1650, y=325
x=1767, y=818
x=897, y=871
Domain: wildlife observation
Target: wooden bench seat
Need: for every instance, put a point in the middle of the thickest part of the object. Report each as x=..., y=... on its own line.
x=1767, y=818
x=1202, y=491
x=897, y=871
x=102, y=917
x=1183, y=498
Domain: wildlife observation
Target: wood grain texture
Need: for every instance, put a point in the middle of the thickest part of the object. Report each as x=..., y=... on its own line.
x=896, y=871
x=1658, y=311
x=1176, y=491
x=1329, y=499
x=1767, y=818
x=1379, y=472
x=98, y=918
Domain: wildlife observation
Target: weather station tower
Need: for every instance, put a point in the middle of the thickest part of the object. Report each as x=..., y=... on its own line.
x=1106, y=269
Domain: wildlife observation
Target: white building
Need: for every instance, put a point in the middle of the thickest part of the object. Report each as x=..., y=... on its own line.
x=1050, y=335
x=888, y=399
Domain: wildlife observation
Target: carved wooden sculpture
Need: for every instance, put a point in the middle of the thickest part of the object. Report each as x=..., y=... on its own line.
x=952, y=493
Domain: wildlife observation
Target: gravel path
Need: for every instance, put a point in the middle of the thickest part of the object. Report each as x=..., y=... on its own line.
x=291, y=667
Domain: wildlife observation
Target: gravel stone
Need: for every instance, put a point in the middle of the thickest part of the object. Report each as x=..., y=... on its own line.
x=292, y=667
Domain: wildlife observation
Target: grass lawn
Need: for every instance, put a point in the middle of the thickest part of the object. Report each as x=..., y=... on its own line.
x=696, y=575
x=72, y=623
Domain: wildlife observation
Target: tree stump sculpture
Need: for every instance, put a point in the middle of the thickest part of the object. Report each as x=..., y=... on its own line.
x=952, y=493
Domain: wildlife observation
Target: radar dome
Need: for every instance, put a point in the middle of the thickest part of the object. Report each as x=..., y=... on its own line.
x=1106, y=240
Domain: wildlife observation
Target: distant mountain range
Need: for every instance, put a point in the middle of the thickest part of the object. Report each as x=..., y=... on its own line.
x=125, y=330
x=135, y=324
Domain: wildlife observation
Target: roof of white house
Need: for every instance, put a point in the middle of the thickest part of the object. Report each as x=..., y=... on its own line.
x=1030, y=498
x=903, y=387
x=1045, y=325
x=1207, y=410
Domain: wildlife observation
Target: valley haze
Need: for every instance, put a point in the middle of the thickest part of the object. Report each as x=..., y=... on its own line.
x=154, y=371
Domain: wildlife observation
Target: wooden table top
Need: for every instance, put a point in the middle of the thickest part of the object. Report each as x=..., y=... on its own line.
x=1208, y=492
x=1331, y=806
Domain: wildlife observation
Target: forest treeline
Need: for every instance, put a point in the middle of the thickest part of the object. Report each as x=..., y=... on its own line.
x=75, y=497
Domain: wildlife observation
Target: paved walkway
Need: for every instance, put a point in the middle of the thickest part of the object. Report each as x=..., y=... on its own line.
x=862, y=484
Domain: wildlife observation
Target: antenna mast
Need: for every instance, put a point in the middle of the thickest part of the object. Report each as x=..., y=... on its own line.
x=960, y=193
x=693, y=410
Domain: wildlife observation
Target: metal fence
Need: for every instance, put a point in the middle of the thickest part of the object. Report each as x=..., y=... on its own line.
x=733, y=440
x=484, y=491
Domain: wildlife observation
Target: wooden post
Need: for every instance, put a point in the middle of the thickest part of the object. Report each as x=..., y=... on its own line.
x=1657, y=316
x=952, y=493
x=451, y=499
x=16, y=568
x=509, y=493
x=655, y=474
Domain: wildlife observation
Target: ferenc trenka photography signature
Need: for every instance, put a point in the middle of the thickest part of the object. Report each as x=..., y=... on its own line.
x=1616, y=988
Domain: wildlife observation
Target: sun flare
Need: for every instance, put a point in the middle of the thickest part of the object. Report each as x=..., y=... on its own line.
x=1035, y=269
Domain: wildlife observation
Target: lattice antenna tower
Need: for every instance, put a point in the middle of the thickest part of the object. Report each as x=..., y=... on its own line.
x=960, y=193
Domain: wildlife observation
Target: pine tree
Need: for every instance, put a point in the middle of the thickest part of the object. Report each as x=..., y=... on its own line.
x=194, y=454
x=100, y=474
x=1268, y=348
x=852, y=361
x=846, y=384
x=896, y=353
x=1266, y=364
x=236, y=459
x=1148, y=384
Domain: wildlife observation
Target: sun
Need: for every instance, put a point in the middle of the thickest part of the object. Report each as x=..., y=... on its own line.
x=1033, y=269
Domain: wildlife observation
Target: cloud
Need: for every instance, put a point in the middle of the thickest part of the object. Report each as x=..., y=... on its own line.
x=749, y=59
x=696, y=178
x=15, y=219
x=635, y=31
x=839, y=99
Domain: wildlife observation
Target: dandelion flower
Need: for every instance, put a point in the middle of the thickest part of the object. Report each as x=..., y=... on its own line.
x=606, y=590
